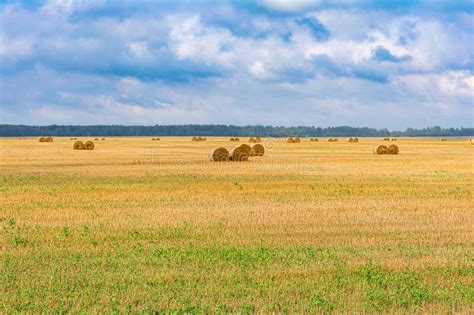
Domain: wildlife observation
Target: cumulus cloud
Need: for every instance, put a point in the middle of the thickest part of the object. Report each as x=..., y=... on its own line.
x=289, y=5
x=311, y=63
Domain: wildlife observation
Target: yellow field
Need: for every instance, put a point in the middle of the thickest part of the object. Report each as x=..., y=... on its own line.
x=141, y=225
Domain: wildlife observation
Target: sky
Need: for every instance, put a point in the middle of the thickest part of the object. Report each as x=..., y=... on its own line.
x=381, y=64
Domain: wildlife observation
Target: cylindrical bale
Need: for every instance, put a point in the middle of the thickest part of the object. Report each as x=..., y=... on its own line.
x=89, y=145
x=219, y=155
x=380, y=149
x=257, y=150
x=78, y=145
x=239, y=154
x=393, y=149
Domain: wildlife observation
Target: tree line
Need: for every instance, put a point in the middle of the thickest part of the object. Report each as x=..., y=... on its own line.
x=225, y=130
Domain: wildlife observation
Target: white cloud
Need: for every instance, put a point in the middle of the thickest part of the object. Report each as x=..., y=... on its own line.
x=289, y=5
x=192, y=40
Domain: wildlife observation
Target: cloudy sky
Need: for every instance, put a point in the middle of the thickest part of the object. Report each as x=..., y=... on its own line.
x=382, y=64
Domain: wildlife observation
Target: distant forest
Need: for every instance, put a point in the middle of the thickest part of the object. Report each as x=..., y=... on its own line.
x=224, y=130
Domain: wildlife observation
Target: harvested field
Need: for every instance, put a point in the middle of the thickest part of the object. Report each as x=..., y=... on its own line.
x=135, y=226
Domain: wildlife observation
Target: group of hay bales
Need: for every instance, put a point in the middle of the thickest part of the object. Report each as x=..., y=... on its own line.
x=72, y=138
x=383, y=149
x=293, y=140
x=46, y=139
x=389, y=139
x=333, y=139
x=443, y=139
x=234, y=139
x=240, y=153
x=199, y=138
x=313, y=140
x=155, y=139
x=351, y=139
x=79, y=145
x=255, y=140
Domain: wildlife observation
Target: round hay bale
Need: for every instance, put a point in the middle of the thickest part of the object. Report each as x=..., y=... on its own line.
x=48, y=139
x=42, y=139
x=103, y=139
x=290, y=140
x=257, y=150
x=219, y=155
x=393, y=139
x=195, y=139
x=355, y=139
x=444, y=139
x=239, y=154
x=380, y=149
x=251, y=139
x=89, y=145
x=246, y=147
x=297, y=140
x=350, y=140
x=232, y=139
x=258, y=139
x=392, y=149
x=386, y=139
x=96, y=139
x=78, y=145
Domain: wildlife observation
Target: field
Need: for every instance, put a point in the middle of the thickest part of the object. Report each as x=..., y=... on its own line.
x=138, y=225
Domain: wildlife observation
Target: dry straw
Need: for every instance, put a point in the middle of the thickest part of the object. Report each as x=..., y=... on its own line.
x=392, y=149
x=333, y=139
x=257, y=150
x=297, y=140
x=78, y=145
x=96, y=139
x=386, y=139
x=313, y=140
x=219, y=155
x=89, y=145
x=239, y=154
x=103, y=139
x=350, y=139
x=258, y=139
x=290, y=140
x=355, y=139
x=42, y=139
x=380, y=149
x=246, y=148
x=251, y=139
x=393, y=139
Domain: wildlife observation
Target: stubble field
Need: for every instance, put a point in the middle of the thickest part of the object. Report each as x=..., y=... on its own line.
x=139, y=225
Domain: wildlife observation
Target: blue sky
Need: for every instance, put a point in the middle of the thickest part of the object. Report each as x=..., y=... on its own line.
x=383, y=64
